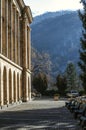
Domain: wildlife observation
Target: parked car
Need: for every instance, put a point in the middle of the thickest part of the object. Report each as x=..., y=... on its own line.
x=73, y=93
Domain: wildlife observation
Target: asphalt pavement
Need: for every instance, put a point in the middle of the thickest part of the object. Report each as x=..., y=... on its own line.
x=39, y=114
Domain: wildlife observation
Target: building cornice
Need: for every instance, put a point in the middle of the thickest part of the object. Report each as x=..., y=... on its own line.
x=21, y=3
x=27, y=10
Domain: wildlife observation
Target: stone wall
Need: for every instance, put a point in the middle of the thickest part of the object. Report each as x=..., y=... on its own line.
x=15, y=51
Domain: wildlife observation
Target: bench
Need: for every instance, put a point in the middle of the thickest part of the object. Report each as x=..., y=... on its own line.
x=75, y=106
x=70, y=103
x=83, y=120
x=79, y=112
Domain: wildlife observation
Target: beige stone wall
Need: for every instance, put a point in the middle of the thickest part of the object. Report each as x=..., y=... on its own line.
x=11, y=81
x=15, y=51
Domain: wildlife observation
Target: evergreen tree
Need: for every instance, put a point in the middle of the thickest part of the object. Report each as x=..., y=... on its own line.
x=71, y=76
x=82, y=62
x=40, y=82
x=61, y=84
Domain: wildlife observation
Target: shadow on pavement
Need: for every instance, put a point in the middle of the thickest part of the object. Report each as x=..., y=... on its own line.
x=39, y=119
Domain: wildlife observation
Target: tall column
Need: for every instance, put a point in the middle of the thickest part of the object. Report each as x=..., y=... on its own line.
x=21, y=40
x=4, y=27
x=25, y=42
x=15, y=87
x=0, y=26
x=19, y=87
x=1, y=84
x=9, y=32
x=7, y=86
x=25, y=65
x=12, y=88
x=9, y=29
x=29, y=47
x=11, y=8
x=18, y=39
x=14, y=34
x=25, y=85
x=29, y=87
x=27, y=94
x=6, y=6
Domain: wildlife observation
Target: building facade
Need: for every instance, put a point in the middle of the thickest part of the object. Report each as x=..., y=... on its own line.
x=15, y=52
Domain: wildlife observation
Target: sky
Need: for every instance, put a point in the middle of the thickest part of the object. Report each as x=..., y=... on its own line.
x=41, y=6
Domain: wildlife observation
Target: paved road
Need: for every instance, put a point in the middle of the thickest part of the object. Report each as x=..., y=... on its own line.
x=38, y=115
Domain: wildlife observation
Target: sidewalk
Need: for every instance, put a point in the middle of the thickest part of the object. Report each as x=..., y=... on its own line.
x=44, y=114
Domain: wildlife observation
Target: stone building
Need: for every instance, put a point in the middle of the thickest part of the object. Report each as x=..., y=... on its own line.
x=15, y=52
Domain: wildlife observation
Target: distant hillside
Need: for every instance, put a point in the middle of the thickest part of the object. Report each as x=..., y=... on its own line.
x=58, y=34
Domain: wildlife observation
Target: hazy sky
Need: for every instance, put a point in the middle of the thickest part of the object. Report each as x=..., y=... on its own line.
x=41, y=6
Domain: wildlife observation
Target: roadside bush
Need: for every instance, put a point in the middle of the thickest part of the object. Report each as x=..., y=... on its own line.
x=82, y=92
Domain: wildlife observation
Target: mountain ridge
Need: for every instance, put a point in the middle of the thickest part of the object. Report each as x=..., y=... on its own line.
x=58, y=34
x=47, y=15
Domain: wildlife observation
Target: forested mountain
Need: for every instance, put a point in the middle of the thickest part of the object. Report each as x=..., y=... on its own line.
x=58, y=34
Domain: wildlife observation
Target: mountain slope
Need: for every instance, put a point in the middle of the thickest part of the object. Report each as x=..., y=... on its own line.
x=58, y=33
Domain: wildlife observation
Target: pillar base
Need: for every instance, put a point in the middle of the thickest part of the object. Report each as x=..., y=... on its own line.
x=26, y=99
x=26, y=85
